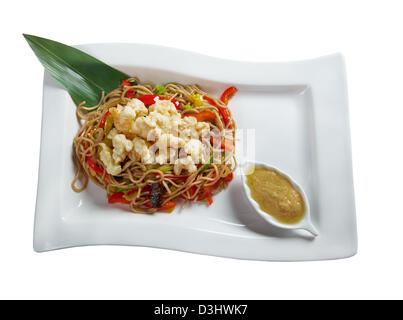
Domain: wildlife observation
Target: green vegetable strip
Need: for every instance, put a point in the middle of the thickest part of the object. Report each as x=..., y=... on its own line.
x=160, y=90
x=207, y=165
x=163, y=169
x=108, y=125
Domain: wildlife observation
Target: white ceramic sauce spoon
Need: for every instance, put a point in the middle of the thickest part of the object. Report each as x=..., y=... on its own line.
x=304, y=224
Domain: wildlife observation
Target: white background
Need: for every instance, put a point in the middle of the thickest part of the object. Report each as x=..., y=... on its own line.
x=369, y=33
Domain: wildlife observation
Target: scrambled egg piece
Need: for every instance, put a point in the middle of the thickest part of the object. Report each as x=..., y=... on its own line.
x=146, y=128
x=123, y=116
x=105, y=155
x=160, y=124
x=198, y=152
x=142, y=151
x=121, y=145
x=184, y=163
x=169, y=140
x=112, y=158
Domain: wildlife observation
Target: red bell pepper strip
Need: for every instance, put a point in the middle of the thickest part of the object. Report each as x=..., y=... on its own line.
x=206, y=191
x=169, y=206
x=228, y=94
x=118, y=198
x=129, y=193
x=209, y=199
x=126, y=83
x=103, y=120
x=223, y=111
x=130, y=94
x=94, y=166
x=149, y=99
x=209, y=100
x=176, y=103
x=226, y=115
x=201, y=116
x=192, y=191
x=97, y=169
x=229, y=177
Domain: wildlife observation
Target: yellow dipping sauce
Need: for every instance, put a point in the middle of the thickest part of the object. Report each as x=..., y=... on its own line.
x=276, y=195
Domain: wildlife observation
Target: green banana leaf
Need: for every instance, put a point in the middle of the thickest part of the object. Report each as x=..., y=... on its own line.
x=83, y=76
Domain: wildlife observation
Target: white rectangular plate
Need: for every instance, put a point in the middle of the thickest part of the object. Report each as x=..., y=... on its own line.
x=299, y=111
